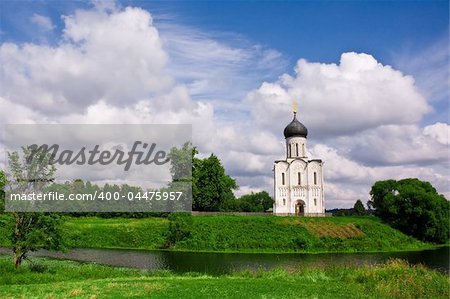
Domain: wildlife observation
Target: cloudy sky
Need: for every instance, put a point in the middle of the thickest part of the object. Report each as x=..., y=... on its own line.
x=371, y=79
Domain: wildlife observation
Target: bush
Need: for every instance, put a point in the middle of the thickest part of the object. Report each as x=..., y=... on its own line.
x=301, y=243
x=180, y=228
x=254, y=202
x=358, y=208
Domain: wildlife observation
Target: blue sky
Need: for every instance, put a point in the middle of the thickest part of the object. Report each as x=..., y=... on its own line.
x=318, y=31
x=372, y=79
x=321, y=30
x=392, y=31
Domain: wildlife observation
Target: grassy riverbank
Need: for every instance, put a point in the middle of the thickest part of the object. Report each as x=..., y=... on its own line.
x=47, y=278
x=241, y=234
x=244, y=234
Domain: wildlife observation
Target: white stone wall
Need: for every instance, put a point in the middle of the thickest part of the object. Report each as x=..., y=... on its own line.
x=308, y=190
x=281, y=191
x=296, y=147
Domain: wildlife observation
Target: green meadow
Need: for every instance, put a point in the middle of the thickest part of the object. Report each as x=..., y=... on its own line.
x=47, y=278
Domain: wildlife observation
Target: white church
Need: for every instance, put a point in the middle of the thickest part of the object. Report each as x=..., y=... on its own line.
x=298, y=182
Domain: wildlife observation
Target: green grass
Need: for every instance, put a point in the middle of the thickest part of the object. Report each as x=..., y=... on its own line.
x=66, y=279
x=147, y=233
x=293, y=234
x=241, y=234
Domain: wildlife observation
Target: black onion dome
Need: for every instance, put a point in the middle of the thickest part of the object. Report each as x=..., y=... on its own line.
x=295, y=129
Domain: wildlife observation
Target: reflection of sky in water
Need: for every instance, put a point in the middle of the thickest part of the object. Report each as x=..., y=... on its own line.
x=219, y=263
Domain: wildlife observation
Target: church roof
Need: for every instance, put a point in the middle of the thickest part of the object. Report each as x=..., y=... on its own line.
x=295, y=129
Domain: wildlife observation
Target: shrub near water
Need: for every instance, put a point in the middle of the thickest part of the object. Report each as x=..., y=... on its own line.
x=180, y=227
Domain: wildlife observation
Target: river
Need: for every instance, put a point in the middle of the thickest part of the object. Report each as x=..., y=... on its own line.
x=222, y=263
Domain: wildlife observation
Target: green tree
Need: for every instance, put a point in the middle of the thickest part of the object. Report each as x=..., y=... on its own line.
x=414, y=207
x=358, y=208
x=343, y=212
x=181, y=167
x=255, y=202
x=181, y=161
x=212, y=187
x=31, y=231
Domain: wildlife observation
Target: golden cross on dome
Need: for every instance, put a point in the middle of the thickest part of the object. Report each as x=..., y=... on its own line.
x=295, y=106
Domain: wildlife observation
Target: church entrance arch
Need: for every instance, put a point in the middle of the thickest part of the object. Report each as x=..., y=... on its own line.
x=299, y=208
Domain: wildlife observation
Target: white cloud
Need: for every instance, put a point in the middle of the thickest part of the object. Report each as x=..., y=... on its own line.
x=218, y=67
x=348, y=180
x=118, y=57
x=357, y=94
x=438, y=131
x=338, y=168
x=398, y=145
x=246, y=163
x=11, y=113
x=44, y=23
x=338, y=195
x=113, y=65
x=106, y=5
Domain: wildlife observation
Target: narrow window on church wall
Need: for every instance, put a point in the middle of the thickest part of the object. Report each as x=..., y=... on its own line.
x=290, y=151
x=299, y=178
x=296, y=149
x=315, y=178
x=284, y=202
x=315, y=201
x=282, y=178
